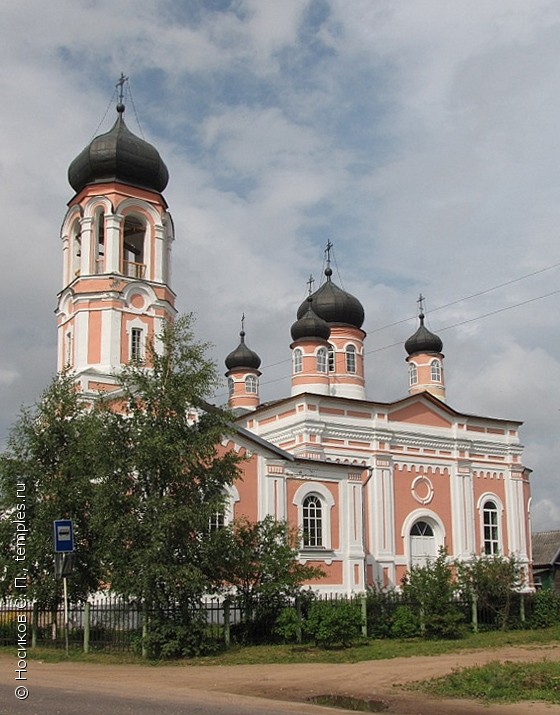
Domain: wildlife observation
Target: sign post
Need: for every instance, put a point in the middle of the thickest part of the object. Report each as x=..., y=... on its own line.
x=63, y=548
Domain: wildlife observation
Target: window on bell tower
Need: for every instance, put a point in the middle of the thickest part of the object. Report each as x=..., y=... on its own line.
x=298, y=360
x=99, y=241
x=136, y=344
x=134, y=234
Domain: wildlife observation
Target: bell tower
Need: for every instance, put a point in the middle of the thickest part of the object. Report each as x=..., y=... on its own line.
x=116, y=249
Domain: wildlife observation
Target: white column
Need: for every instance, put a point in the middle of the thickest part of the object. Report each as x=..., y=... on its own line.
x=86, y=263
x=113, y=224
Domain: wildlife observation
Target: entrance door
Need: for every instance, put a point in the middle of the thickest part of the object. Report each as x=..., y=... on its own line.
x=422, y=543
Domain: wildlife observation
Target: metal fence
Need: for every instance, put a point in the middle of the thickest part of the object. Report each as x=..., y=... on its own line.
x=114, y=624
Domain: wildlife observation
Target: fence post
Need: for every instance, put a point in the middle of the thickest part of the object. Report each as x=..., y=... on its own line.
x=144, y=629
x=35, y=625
x=522, y=608
x=87, y=622
x=299, y=629
x=363, y=601
x=227, y=629
x=474, y=613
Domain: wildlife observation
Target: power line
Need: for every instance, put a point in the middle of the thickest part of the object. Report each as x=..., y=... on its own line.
x=473, y=295
x=447, y=327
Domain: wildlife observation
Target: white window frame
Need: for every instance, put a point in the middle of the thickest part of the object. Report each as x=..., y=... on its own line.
x=312, y=518
x=136, y=344
x=496, y=544
x=251, y=384
x=412, y=374
x=435, y=370
x=321, y=358
x=327, y=503
x=298, y=361
x=351, y=359
x=231, y=386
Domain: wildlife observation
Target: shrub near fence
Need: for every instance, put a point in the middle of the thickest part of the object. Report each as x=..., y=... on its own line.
x=116, y=625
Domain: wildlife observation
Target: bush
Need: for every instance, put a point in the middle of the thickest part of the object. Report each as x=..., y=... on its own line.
x=546, y=609
x=405, y=623
x=381, y=606
x=431, y=590
x=289, y=625
x=167, y=639
x=334, y=623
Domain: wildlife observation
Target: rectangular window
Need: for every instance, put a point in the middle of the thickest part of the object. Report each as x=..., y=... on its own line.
x=136, y=352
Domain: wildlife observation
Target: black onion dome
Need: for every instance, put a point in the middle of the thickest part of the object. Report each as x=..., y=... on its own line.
x=310, y=325
x=243, y=356
x=119, y=155
x=335, y=305
x=423, y=341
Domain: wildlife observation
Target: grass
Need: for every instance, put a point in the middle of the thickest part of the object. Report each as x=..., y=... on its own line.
x=499, y=682
x=368, y=650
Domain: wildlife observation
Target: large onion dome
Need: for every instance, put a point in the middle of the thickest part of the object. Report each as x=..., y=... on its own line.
x=423, y=341
x=310, y=325
x=243, y=356
x=334, y=305
x=119, y=155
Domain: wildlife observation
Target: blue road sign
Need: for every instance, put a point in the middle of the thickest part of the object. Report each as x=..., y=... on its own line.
x=63, y=536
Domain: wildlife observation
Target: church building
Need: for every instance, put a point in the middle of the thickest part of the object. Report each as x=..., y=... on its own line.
x=374, y=487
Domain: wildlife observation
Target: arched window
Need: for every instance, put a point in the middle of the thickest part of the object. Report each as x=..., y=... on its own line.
x=490, y=528
x=99, y=241
x=331, y=358
x=351, y=358
x=76, y=249
x=298, y=360
x=68, y=349
x=412, y=374
x=231, y=385
x=312, y=521
x=321, y=360
x=134, y=233
x=422, y=543
x=251, y=384
x=435, y=366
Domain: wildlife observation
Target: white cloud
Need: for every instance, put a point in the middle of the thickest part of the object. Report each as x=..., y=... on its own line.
x=421, y=137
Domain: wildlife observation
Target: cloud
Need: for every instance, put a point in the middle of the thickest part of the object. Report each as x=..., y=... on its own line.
x=420, y=137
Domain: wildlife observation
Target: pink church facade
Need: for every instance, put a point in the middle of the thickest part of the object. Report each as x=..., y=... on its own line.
x=373, y=487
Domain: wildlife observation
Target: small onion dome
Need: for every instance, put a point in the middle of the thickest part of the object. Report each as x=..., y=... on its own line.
x=119, y=155
x=423, y=341
x=242, y=356
x=310, y=325
x=335, y=305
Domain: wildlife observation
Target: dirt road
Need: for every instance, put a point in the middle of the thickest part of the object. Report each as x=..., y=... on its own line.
x=373, y=680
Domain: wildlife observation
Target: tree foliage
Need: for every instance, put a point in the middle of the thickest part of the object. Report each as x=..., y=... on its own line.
x=260, y=561
x=431, y=590
x=165, y=474
x=493, y=581
x=49, y=471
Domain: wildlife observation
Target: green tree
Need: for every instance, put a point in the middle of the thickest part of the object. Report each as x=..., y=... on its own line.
x=49, y=471
x=431, y=590
x=494, y=582
x=165, y=477
x=260, y=562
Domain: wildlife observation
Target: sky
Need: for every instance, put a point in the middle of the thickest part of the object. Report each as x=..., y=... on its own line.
x=420, y=137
